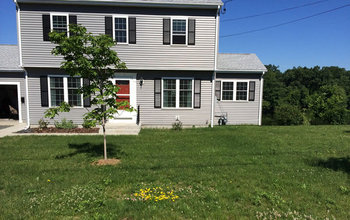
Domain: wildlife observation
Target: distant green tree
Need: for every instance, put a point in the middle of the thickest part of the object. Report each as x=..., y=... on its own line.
x=274, y=89
x=328, y=105
x=287, y=114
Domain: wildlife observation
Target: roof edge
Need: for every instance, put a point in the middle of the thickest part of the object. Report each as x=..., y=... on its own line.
x=131, y=4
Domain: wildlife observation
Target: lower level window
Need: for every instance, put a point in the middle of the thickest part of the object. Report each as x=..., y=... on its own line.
x=242, y=90
x=74, y=97
x=57, y=91
x=65, y=89
x=234, y=91
x=177, y=93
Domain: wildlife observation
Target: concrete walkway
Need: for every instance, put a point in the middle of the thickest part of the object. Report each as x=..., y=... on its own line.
x=11, y=128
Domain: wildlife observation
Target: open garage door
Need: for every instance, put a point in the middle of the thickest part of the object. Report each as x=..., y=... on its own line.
x=9, y=102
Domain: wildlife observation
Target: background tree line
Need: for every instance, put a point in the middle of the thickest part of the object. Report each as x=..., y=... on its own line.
x=306, y=96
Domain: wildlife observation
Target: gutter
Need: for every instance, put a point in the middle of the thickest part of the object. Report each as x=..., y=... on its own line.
x=215, y=65
x=125, y=4
x=13, y=70
x=241, y=71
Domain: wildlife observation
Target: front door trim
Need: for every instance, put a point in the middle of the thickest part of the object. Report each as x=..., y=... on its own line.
x=18, y=97
x=127, y=117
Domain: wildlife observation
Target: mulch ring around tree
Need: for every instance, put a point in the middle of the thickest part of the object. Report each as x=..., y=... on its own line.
x=60, y=130
x=104, y=162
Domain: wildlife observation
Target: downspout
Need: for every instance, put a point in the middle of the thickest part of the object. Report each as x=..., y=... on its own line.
x=261, y=97
x=215, y=66
x=19, y=37
x=27, y=99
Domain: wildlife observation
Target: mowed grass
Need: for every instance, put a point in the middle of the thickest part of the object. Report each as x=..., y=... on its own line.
x=232, y=172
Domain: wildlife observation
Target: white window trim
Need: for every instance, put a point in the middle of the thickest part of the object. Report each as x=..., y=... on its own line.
x=171, y=30
x=127, y=28
x=65, y=89
x=177, y=104
x=59, y=14
x=234, y=90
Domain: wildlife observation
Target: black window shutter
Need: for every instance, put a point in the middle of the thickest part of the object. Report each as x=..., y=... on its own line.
x=87, y=100
x=251, y=90
x=72, y=20
x=191, y=31
x=46, y=27
x=197, y=93
x=218, y=89
x=132, y=30
x=109, y=26
x=157, y=93
x=166, y=31
x=44, y=91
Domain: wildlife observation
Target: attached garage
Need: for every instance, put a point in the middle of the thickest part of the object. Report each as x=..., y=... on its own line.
x=12, y=85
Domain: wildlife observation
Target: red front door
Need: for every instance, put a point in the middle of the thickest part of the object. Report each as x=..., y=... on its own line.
x=124, y=91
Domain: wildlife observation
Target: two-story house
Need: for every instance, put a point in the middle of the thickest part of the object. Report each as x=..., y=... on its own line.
x=170, y=48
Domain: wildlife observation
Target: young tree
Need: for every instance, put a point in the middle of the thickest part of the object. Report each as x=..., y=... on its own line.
x=92, y=58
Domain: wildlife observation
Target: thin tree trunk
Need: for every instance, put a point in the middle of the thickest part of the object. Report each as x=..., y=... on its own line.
x=104, y=138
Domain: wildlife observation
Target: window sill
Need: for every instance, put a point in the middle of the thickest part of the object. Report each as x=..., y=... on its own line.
x=179, y=45
x=177, y=108
x=235, y=101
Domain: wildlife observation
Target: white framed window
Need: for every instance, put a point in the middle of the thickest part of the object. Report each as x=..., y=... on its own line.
x=59, y=22
x=179, y=26
x=177, y=92
x=121, y=29
x=65, y=89
x=234, y=90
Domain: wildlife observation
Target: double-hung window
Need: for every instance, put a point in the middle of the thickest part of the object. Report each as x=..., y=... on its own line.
x=56, y=90
x=177, y=93
x=234, y=91
x=242, y=91
x=65, y=89
x=121, y=29
x=179, y=31
x=74, y=97
x=59, y=23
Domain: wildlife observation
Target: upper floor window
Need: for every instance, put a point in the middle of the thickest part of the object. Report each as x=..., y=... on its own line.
x=121, y=29
x=65, y=89
x=179, y=31
x=59, y=23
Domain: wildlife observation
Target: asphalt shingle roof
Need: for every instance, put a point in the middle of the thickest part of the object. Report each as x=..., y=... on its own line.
x=239, y=62
x=9, y=58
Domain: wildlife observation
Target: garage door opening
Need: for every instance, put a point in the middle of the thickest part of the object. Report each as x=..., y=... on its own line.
x=9, y=102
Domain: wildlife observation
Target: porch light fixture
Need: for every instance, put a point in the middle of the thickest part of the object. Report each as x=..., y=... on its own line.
x=141, y=81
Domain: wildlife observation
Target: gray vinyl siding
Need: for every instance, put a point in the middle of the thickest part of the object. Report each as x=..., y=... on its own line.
x=239, y=112
x=17, y=77
x=148, y=53
x=36, y=111
x=150, y=116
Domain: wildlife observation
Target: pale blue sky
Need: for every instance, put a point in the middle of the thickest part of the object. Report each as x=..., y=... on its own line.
x=322, y=40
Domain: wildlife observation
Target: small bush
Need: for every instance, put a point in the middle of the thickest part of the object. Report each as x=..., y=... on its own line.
x=89, y=123
x=287, y=114
x=177, y=125
x=65, y=124
x=43, y=124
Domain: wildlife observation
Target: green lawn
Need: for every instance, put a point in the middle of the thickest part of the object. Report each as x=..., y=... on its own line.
x=235, y=172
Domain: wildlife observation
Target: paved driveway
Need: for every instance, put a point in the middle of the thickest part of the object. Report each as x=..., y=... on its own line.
x=4, y=126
